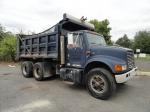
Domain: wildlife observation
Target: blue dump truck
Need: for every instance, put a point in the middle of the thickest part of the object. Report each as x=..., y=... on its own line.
x=74, y=51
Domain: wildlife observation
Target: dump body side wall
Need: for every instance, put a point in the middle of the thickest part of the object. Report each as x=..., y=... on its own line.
x=40, y=46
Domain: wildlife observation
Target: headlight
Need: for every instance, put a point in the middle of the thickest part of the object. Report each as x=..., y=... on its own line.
x=124, y=67
x=120, y=67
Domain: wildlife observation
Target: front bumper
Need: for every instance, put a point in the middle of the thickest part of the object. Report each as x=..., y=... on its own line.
x=121, y=78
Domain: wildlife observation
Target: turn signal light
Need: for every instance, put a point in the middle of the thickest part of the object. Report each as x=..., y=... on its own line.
x=88, y=52
x=118, y=67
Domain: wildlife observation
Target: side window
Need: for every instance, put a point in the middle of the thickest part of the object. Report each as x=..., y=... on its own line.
x=77, y=40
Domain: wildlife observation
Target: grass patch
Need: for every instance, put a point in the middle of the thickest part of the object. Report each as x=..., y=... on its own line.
x=142, y=70
x=147, y=54
x=147, y=58
x=143, y=58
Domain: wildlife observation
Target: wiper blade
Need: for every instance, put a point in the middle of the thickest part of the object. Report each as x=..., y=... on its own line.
x=93, y=43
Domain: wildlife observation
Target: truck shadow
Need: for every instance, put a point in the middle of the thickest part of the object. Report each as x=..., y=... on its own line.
x=78, y=87
x=55, y=77
x=73, y=86
x=121, y=91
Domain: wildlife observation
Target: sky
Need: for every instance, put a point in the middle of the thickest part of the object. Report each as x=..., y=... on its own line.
x=125, y=16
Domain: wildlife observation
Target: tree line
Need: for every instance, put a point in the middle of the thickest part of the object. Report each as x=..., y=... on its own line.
x=141, y=41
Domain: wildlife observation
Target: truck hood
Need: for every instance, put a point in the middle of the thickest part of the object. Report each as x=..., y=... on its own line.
x=113, y=51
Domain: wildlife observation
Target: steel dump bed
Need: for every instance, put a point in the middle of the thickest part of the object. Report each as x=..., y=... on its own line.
x=46, y=44
x=40, y=45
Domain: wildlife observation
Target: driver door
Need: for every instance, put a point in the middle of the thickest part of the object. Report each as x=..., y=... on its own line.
x=75, y=50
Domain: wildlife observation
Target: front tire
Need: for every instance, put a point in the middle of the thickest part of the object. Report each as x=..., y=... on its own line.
x=100, y=83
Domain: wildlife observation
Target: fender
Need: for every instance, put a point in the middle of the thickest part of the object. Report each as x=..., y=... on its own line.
x=108, y=60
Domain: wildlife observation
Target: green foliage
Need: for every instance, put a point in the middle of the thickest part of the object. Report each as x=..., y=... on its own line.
x=147, y=55
x=7, y=45
x=8, y=48
x=110, y=42
x=142, y=41
x=103, y=28
x=124, y=41
x=143, y=58
x=2, y=34
x=143, y=70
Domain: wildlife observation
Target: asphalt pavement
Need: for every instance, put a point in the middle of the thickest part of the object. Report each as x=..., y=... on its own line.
x=19, y=94
x=142, y=64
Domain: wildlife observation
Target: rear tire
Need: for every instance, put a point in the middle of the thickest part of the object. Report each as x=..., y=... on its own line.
x=100, y=83
x=38, y=71
x=26, y=68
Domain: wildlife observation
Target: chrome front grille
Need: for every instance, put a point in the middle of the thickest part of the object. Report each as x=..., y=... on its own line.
x=130, y=58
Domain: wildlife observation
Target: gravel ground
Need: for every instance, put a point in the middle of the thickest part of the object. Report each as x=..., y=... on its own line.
x=19, y=94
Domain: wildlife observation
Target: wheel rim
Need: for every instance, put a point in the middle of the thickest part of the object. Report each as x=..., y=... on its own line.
x=37, y=71
x=25, y=70
x=98, y=84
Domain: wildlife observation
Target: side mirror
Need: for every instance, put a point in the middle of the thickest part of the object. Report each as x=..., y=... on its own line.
x=70, y=38
x=70, y=41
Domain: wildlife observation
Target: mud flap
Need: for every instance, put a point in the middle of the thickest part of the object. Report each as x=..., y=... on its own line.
x=47, y=69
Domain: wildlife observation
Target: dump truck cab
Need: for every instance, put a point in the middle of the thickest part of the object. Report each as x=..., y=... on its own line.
x=78, y=47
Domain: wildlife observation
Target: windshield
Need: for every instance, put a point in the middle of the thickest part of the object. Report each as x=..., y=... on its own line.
x=95, y=39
